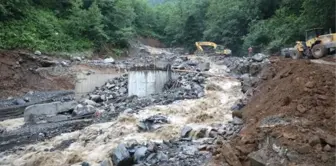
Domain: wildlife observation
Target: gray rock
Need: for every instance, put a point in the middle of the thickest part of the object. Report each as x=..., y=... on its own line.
x=37, y=52
x=329, y=139
x=258, y=57
x=41, y=136
x=103, y=97
x=150, y=122
x=19, y=102
x=161, y=156
x=258, y=158
x=109, y=60
x=255, y=68
x=2, y=129
x=152, y=147
x=110, y=86
x=129, y=111
x=190, y=150
x=292, y=155
x=38, y=113
x=57, y=118
x=200, y=94
x=183, y=66
x=314, y=140
x=185, y=131
x=204, y=66
x=81, y=110
x=237, y=121
x=85, y=164
x=26, y=99
x=140, y=154
x=64, y=63
x=120, y=155
x=122, y=90
x=89, y=102
x=96, y=98
x=106, y=163
x=77, y=58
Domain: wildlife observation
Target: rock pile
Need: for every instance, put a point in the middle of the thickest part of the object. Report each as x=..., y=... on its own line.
x=226, y=131
x=152, y=123
x=242, y=65
x=112, y=98
x=168, y=153
x=247, y=70
x=193, y=148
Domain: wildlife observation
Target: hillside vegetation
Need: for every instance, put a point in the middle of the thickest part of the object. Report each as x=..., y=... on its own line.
x=72, y=25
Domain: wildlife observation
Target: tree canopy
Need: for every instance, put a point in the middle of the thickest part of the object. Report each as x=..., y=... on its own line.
x=71, y=25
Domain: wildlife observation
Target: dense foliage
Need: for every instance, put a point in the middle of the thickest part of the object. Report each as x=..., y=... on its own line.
x=71, y=25
x=84, y=24
x=263, y=24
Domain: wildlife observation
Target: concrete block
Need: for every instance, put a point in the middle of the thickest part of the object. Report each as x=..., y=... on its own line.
x=42, y=112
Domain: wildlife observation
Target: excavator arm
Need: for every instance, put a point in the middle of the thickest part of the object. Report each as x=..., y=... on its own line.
x=200, y=44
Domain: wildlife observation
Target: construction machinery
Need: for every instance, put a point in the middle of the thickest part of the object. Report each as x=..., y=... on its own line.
x=215, y=49
x=318, y=44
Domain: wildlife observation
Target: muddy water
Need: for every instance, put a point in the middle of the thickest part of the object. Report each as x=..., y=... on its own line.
x=94, y=143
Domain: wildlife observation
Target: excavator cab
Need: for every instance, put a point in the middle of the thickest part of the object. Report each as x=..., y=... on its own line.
x=221, y=50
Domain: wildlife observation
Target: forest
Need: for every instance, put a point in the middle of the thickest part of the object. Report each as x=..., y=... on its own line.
x=75, y=25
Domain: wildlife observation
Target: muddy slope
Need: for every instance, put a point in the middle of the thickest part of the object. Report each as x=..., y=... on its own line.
x=21, y=73
x=291, y=118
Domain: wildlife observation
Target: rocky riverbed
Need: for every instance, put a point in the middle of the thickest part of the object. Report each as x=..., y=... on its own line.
x=201, y=114
x=179, y=126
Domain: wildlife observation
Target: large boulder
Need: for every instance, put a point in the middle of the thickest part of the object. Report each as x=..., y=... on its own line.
x=109, y=60
x=121, y=156
x=259, y=57
x=81, y=110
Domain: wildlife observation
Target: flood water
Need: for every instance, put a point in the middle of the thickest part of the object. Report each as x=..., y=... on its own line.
x=94, y=143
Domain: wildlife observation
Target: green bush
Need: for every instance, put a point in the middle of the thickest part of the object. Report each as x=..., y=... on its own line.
x=40, y=30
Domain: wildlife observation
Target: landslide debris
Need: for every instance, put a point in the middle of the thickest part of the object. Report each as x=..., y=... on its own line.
x=290, y=120
x=21, y=72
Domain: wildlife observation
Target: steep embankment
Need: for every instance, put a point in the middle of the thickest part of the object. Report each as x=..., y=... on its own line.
x=291, y=118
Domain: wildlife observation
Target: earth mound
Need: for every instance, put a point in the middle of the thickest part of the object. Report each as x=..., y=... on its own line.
x=21, y=72
x=290, y=120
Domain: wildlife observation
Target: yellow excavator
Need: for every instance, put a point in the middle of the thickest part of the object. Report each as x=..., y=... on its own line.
x=318, y=44
x=215, y=49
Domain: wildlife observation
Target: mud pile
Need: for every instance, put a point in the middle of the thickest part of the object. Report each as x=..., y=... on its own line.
x=21, y=73
x=290, y=119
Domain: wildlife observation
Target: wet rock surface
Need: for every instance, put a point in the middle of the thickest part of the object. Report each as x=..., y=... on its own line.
x=152, y=123
x=113, y=96
x=105, y=103
x=35, y=133
x=38, y=97
x=13, y=108
x=169, y=153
